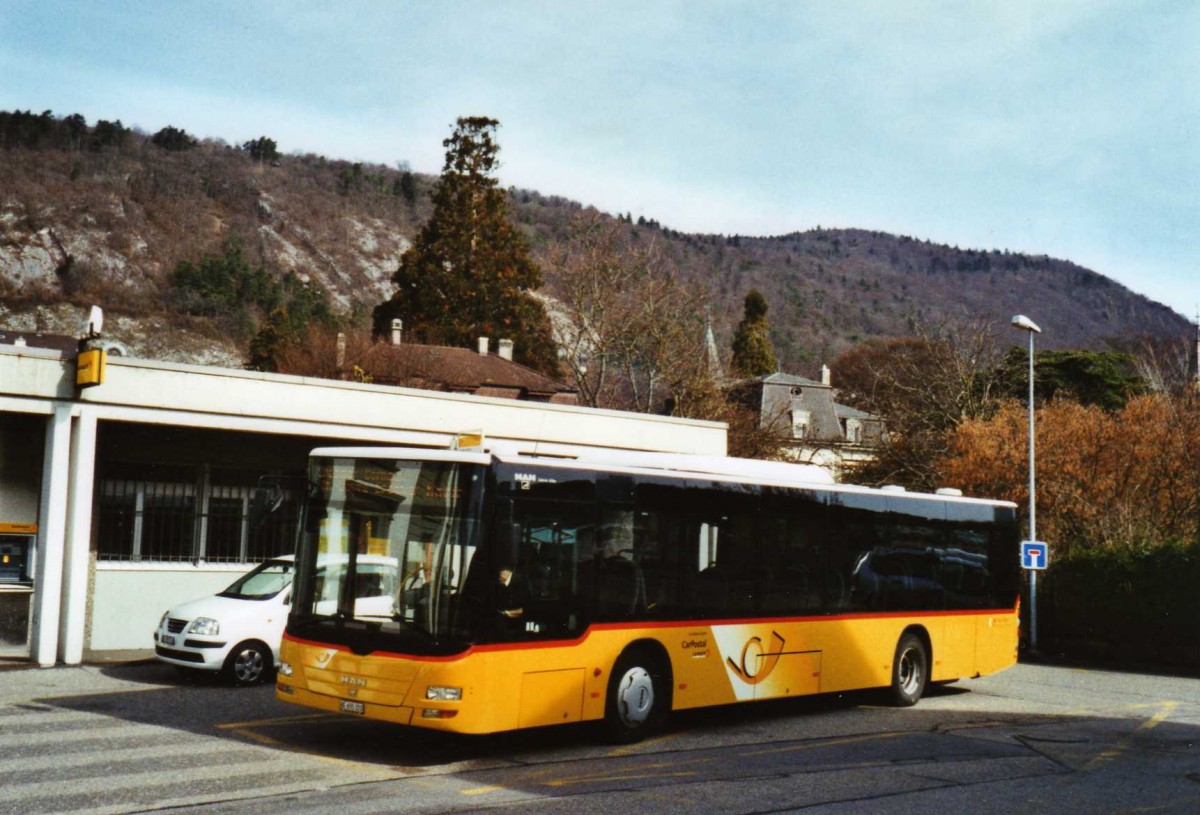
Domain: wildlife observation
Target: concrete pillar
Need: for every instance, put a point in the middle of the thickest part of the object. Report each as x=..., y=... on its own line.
x=52, y=524
x=73, y=624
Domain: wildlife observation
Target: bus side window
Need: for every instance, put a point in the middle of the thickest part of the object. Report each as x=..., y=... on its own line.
x=732, y=575
x=657, y=543
x=665, y=539
x=619, y=581
x=711, y=592
x=965, y=569
x=550, y=539
x=788, y=590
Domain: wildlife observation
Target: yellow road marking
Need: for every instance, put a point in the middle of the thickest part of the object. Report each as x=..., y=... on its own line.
x=833, y=743
x=260, y=738
x=283, y=745
x=1160, y=717
x=308, y=717
x=1166, y=708
x=629, y=750
x=246, y=730
x=599, y=779
x=642, y=770
x=525, y=779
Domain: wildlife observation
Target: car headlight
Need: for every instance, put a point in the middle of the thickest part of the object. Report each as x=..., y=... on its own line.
x=163, y=622
x=205, y=626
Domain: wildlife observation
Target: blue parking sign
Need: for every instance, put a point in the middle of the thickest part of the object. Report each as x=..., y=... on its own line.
x=1034, y=555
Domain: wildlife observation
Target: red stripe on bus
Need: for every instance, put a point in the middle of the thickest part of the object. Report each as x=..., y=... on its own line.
x=541, y=644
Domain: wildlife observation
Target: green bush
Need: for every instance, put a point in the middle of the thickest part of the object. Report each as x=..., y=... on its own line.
x=1129, y=605
x=245, y=300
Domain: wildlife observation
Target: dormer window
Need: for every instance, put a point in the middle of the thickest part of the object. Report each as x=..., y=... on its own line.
x=801, y=421
x=854, y=431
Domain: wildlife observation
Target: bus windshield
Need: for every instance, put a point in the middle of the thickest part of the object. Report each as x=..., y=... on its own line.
x=388, y=543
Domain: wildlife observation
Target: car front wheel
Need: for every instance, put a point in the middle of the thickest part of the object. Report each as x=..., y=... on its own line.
x=249, y=663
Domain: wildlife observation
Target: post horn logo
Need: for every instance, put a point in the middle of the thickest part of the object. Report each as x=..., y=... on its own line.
x=757, y=662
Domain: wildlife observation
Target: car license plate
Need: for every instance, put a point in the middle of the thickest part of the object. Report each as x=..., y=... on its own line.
x=168, y=639
x=350, y=707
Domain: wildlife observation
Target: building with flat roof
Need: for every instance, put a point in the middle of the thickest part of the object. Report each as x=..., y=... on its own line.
x=119, y=500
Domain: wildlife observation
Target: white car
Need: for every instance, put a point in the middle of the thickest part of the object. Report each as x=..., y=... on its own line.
x=238, y=631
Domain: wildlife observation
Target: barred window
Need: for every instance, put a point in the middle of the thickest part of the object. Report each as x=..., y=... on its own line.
x=190, y=513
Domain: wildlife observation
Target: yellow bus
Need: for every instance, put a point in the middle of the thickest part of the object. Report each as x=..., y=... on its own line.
x=618, y=587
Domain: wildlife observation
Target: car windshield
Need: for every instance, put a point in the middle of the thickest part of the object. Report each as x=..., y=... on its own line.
x=395, y=539
x=263, y=582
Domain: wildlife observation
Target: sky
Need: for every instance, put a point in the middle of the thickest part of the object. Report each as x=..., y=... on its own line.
x=1039, y=126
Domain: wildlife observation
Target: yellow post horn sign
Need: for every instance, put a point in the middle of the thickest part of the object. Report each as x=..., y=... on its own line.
x=90, y=367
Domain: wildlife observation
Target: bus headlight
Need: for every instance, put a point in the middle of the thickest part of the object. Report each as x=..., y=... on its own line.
x=285, y=669
x=435, y=692
x=205, y=627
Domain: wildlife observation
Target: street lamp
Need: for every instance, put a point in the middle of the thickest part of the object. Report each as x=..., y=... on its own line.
x=1023, y=323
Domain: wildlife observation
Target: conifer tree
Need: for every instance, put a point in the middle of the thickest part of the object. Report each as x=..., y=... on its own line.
x=262, y=149
x=753, y=354
x=174, y=139
x=469, y=273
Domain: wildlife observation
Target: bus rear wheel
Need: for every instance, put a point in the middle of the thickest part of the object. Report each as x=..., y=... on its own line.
x=910, y=670
x=638, y=697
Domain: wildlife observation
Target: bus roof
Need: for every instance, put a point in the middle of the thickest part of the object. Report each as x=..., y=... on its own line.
x=739, y=470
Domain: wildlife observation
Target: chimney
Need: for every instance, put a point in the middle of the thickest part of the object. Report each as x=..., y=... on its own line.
x=341, y=350
x=483, y=346
x=826, y=375
x=506, y=349
x=397, y=326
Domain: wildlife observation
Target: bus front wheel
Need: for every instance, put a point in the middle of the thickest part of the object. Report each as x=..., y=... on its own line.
x=910, y=670
x=638, y=698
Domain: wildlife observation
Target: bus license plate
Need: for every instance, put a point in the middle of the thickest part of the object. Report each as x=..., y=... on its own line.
x=350, y=707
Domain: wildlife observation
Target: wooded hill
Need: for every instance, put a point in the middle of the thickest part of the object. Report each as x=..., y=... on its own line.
x=104, y=214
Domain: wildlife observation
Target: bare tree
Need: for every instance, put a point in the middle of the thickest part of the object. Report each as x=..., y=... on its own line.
x=923, y=387
x=1165, y=364
x=325, y=353
x=595, y=270
x=632, y=333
